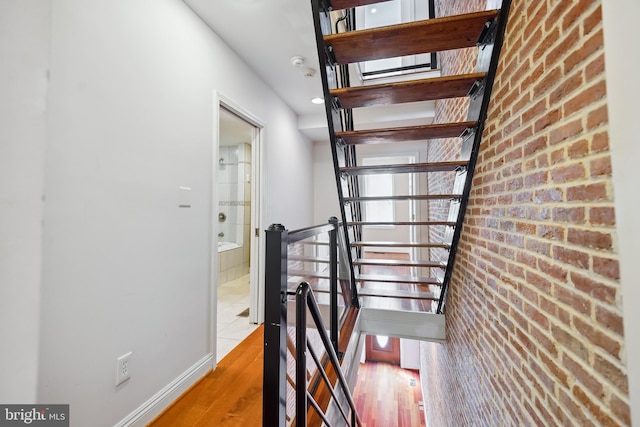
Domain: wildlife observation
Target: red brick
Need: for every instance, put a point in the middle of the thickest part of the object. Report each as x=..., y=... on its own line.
x=571, y=256
x=578, y=149
x=602, y=216
x=536, y=179
x=604, y=419
x=598, y=117
x=587, y=193
x=539, y=107
x=597, y=337
x=575, y=410
x=597, y=290
x=606, y=267
x=610, y=320
x=565, y=131
x=567, y=340
x=567, y=42
x=581, y=373
x=550, y=117
x=567, y=86
x=550, y=78
x=620, y=409
x=571, y=215
x=538, y=247
x=568, y=173
x=611, y=372
x=600, y=142
x=551, y=232
x=588, y=238
x=588, y=48
x=592, y=21
x=585, y=98
x=549, y=195
x=601, y=166
x=572, y=299
x=595, y=69
x=573, y=15
x=555, y=369
x=538, y=144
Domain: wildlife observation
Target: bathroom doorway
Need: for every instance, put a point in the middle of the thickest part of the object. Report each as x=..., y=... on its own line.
x=236, y=218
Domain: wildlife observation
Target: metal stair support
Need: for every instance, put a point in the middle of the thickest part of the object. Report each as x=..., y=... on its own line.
x=484, y=29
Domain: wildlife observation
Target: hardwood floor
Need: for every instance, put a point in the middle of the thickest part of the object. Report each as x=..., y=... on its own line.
x=385, y=397
x=229, y=396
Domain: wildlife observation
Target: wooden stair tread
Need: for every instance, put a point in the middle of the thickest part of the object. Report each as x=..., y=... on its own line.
x=397, y=279
x=410, y=223
x=348, y=4
x=364, y=292
x=411, y=38
x=407, y=91
x=399, y=263
x=403, y=134
x=405, y=168
x=401, y=244
x=403, y=197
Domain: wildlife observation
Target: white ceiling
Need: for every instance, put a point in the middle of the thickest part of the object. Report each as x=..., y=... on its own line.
x=266, y=34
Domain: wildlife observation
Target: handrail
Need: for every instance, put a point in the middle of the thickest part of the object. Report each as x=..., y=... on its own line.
x=304, y=300
x=278, y=239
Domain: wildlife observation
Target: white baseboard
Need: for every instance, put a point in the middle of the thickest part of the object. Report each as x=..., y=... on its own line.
x=154, y=406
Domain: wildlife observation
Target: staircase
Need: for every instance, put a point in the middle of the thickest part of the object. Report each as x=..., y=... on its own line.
x=432, y=229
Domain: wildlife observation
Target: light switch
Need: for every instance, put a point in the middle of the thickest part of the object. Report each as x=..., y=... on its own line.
x=184, y=197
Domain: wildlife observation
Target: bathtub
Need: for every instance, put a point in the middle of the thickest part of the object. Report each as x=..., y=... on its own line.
x=227, y=246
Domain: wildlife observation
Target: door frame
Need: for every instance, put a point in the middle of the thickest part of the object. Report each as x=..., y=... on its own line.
x=256, y=306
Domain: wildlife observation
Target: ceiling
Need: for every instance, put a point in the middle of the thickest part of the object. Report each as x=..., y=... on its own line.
x=267, y=34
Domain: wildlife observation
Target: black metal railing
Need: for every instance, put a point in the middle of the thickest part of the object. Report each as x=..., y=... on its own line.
x=279, y=265
x=304, y=300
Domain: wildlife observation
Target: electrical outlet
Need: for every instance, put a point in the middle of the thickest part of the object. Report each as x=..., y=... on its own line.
x=123, y=368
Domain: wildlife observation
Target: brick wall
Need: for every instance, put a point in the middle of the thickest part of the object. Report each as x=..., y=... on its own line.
x=534, y=310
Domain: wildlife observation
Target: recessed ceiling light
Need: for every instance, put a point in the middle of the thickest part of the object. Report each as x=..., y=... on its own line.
x=374, y=10
x=317, y=100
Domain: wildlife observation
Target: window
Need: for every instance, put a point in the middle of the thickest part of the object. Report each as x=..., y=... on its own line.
x=379, y=210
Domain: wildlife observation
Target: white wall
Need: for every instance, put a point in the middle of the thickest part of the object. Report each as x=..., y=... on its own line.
x=24, y=53
x=124, y=269
x=622, y=58
x=325, y=192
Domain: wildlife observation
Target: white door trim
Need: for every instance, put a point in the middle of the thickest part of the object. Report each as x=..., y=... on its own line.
x=256, y=307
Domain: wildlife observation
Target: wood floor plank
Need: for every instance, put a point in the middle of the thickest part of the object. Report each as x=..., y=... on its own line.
x=384, y=396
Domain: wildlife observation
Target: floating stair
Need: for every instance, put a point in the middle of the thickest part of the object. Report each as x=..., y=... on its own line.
x=429, y=240
x=431, y=35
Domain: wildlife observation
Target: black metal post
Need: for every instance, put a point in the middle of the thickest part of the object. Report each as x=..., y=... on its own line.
x=301, y=354
x=274, y=405
x=333, y=282
x=432, y=14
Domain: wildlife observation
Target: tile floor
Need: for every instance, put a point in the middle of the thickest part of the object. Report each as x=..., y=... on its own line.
x=233, y=299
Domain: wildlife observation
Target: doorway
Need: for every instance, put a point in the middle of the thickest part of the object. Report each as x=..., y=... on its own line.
x=381, y=348
x=235, y=217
